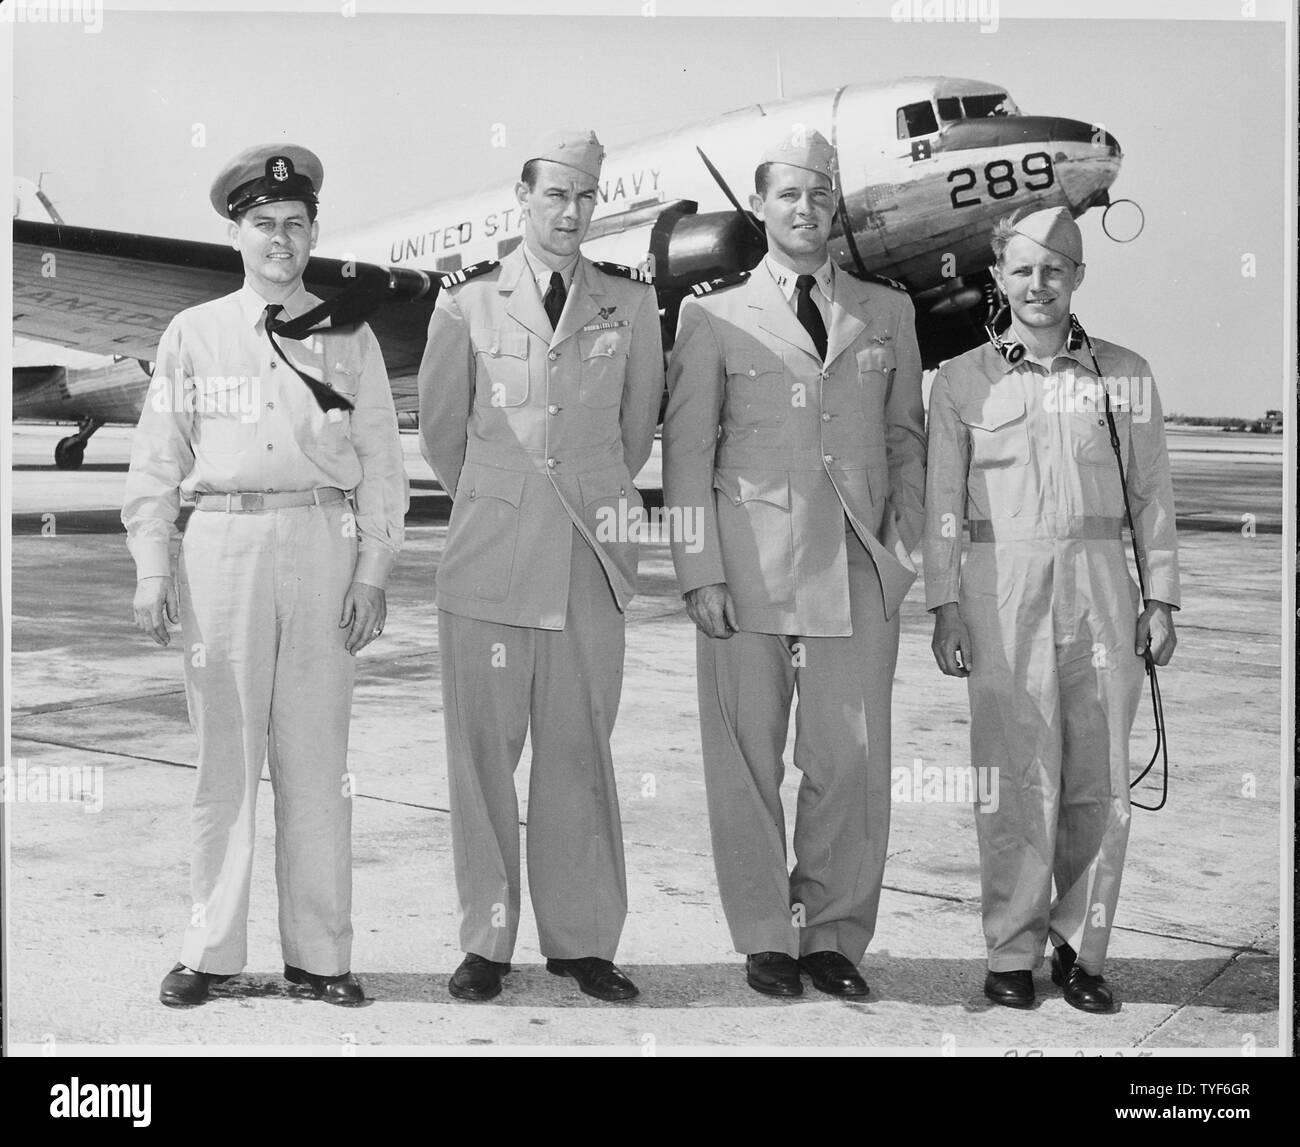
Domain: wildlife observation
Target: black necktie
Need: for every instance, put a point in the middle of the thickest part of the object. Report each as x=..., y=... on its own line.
x=326, y=398
x=809, y=315
x=554, y=301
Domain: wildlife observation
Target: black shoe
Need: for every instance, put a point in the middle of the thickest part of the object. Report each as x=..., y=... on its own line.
x=834, y=974
x=1082, y=990
x=183, y=987
x=1010, y=989
x=342, y=990
x=596, y=977
x=773, y=974
x=477, y=978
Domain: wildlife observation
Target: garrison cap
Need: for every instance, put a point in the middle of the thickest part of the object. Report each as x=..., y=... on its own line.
x=265, y=174
x=577, y=149
x=800, y=147
x=1054, y=229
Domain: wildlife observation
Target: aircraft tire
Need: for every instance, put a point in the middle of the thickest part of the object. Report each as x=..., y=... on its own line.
x=69, y=454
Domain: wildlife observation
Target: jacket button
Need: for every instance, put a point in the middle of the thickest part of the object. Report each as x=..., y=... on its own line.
x=473, y=493
x=825, y=416
x=270, y=446
x=736, y=499
x=494, y=350
x=273, y=365
x=550, y=462
x=553, y=355
x=752, y=372
x=828, y=457
x=621, y=492
x=552, y=409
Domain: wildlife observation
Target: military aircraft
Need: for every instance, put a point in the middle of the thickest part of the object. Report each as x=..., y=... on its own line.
x=925, y=166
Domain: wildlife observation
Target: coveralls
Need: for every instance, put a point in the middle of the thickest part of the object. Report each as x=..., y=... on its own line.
x=1021, y=454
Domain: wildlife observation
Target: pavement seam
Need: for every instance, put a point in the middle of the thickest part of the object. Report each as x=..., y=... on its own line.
x=1204, y=987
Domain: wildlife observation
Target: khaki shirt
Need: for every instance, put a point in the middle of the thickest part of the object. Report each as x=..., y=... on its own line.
x=1028, y=450
x=224, y=415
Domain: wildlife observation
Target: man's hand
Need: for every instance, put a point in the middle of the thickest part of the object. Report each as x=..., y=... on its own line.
x=1156, y=628
x=951, y=643
x=365, y=610
x=155, y=605
x=711, y=608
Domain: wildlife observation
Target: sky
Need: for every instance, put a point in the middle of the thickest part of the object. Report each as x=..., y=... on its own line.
x=130, y=123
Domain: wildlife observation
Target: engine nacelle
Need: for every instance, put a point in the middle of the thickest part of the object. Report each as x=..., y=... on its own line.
x=686, y=248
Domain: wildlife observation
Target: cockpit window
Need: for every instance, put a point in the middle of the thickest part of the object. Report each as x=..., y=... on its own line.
x=995, y=104
x=949, y=108
x=916, y=119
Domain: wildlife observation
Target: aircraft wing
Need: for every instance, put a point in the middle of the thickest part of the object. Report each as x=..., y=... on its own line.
x=110, y=292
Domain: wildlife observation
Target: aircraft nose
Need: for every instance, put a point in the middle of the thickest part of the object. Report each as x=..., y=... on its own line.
x=1087, y=159
x=1094, y=134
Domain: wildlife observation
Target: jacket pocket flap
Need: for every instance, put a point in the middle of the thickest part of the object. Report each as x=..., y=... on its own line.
x=487, y=482
x=992, y=414
x=740, y=488
x=751, y=365
x=605, y=484
x=512, y=344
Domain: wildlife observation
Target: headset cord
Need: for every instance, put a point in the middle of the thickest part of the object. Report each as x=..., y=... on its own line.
x=1157, y=704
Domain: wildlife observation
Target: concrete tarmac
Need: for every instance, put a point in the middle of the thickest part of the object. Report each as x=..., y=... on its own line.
x=97, y=891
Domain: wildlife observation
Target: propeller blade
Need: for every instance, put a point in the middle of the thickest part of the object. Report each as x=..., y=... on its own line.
x=722, y=183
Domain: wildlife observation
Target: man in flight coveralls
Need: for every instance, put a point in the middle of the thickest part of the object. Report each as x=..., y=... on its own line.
x=1043, y=618
x=539, y=392
x=794, y=430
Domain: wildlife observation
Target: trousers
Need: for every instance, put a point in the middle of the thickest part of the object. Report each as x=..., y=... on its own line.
x=1054, y=689
x=747, y=684
x=501, y=683
x=268, y=680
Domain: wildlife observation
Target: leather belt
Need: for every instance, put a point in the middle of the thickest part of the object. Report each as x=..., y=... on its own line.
x=253, y=503
x=1086, y=528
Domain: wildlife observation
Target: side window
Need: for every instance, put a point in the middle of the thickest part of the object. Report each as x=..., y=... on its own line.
x=949, y=108
x=916, y=119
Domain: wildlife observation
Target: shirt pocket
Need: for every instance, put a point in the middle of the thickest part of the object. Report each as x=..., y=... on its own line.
x=226, y=410
x=603, y=359
x=756, y=389
x=876, y=367
x=1090, y=435
x=999, y=433
x=501, y=374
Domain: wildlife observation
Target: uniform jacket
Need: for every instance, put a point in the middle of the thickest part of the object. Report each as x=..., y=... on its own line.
x=531, y=431
x=1029, y=452
x=777, y=450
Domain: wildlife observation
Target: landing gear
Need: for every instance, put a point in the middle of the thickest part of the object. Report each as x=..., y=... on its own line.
x=71, y=451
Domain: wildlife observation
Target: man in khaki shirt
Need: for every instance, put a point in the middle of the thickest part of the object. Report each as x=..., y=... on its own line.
x=289, y=451
x=1043, y=617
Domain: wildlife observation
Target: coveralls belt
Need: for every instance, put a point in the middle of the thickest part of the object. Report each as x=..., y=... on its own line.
x=254, y=502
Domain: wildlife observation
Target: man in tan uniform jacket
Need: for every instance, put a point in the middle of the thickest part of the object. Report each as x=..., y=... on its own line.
x=539, y=392
x=1043, y=617
x=794, y=428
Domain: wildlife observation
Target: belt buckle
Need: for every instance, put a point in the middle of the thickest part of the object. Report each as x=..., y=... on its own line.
x=250, y=503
